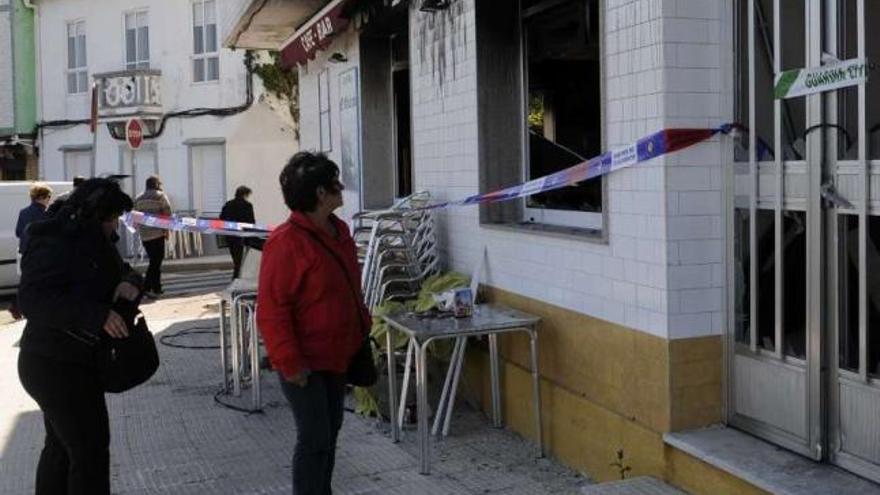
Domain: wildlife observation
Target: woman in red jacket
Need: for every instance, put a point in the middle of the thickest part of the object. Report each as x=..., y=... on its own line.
x=311, y=312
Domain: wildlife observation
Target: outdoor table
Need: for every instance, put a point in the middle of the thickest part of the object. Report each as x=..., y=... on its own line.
x=489, y=320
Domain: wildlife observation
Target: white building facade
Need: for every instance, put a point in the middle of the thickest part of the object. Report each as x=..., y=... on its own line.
x=724, y=284
x=201, y=159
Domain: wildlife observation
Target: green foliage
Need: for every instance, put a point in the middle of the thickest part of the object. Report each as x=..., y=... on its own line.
x=365, y=399
x=366, y=404
x=536, y=113
x=621, y=466
x=280, y=81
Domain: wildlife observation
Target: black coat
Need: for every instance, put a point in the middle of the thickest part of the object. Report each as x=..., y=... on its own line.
x=237, y=210
x=69, y=274
x=33, y=213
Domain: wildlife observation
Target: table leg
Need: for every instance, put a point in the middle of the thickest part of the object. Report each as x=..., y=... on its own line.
x=404, y=388
x=234, y=331
x=256, y=392
x=447, y=385
x=496, y=385
x=457, y=376
x=223, y=361
x=392, y=385
x=536, y=391
x=422, y=394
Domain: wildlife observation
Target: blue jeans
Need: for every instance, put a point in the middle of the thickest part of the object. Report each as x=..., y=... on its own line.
x=317, y=410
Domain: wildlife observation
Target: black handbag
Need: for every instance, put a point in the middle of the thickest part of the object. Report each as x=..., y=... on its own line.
x=127, y=362
x=362, y=371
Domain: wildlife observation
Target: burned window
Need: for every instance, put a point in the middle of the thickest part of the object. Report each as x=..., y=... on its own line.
x=563, y=106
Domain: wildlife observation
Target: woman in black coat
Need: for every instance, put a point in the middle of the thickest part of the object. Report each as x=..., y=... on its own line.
x=71, y=276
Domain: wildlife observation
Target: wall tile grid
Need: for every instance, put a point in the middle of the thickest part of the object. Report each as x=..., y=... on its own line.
x=693, y=34
x=625, y=281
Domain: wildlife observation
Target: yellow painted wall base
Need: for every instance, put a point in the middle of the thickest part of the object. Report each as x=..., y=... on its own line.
x=605, y=389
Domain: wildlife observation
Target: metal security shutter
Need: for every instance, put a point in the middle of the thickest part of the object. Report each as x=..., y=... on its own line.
x=208, y=179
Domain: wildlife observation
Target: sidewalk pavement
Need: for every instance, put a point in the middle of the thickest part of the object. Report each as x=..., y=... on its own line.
x=170, y=437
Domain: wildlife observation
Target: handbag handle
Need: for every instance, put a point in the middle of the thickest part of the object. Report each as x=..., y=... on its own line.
x=341, y=264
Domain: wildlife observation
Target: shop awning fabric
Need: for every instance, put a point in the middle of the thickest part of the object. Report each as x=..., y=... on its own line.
x=315, y=35
x=296, y=28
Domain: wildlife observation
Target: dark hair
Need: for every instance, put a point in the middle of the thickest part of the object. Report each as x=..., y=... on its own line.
x=78, y=180
x=153, y=182
x=303, y=175
x=98, y=200
x=242, y=191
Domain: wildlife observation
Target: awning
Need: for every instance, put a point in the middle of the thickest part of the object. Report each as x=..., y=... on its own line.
x=296, y=28
x=315, y=35
x=267, y=24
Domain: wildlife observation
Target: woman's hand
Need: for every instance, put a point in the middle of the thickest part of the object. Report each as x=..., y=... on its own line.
x=300, y=379
x=127, y=291
x=114, y=325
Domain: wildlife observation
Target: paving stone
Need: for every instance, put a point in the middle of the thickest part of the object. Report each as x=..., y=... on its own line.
x=643, y=485
x=169, y=437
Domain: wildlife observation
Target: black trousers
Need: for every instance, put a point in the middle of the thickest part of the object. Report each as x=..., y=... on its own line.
x=236, y=249
x=317, y=411
x=76, y=453
x=156, y=252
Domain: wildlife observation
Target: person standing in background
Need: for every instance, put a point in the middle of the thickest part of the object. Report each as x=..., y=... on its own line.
x=153, y=201
x=41, y=196
x=77, y=181
x=238, y=210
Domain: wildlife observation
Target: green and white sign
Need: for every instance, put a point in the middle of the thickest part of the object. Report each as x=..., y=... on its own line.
x=800, y=82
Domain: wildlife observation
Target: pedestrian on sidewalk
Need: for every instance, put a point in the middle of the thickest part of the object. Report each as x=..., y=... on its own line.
x=71, y=276
x=41, y=196
x=311, y=323
x=154, y=201
x=238, y=210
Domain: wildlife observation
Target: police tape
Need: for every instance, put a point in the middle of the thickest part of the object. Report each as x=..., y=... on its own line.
x=136, y=218
x=643, y=150
x=658, y=144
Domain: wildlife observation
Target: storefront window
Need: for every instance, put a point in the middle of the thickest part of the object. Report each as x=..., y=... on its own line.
x=764, y=80
x=793, y=55
x=847, y=128
x=741, y=81
x=872, y=17
x=848, y=302
x=741, y=277
x=766, y=260
x=563, y=107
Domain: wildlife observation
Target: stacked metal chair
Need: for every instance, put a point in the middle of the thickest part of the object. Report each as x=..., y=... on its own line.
x=397, y=249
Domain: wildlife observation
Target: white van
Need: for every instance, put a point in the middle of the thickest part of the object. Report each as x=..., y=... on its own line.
x=14, y=196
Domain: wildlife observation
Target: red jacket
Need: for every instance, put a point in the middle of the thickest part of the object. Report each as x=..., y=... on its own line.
x=306, y=313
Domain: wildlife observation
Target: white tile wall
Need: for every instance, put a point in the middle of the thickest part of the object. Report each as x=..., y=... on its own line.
x=624, y=281
x=695, y=97
x=662, y=269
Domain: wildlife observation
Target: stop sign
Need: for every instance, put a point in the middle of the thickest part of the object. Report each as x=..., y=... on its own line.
x=134, y=134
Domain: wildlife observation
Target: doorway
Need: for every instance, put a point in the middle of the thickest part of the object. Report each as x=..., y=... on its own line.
x=804, y=353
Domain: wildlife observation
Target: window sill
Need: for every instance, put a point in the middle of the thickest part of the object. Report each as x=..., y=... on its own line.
x=557, y=231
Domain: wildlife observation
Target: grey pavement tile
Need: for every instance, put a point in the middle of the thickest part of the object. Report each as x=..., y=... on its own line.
x=169, y=437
